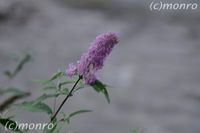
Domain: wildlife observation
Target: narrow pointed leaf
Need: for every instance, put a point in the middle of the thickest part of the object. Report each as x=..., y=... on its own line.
x=54, y=77
x=45, y=96
x=77, y=113
x=65, y=82
x=50, y=88
x=21, y=64
x=38, y=107
x=100, y=87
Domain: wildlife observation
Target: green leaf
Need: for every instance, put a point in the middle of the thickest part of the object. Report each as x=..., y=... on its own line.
x=96, y=87
x=54, y=77
x=54, y=122
x=76, y=113
x=49, y=88
x=10, y=124
x=81, y=85
x=100, y=87
x=65, y=82
x=45, y=96
x=19, y=66
x=55, y=94
x=8, y=73
x=64, y=91
x=79, y=88
x=35, y=107
x=58, y=88
x=40, y=81
x=59, y=126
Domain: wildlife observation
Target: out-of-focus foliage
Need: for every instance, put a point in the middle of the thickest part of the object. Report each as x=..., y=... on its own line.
x=54, y=87
x=19, y=66
x=15, y=92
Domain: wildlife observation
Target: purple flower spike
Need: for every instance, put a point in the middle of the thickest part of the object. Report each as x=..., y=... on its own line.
x=72, y=70
x=93, y=60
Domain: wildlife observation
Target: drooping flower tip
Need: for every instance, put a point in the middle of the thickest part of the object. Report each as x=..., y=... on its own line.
x=108, y=38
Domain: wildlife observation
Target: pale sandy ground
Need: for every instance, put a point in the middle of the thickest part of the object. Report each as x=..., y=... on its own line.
x=155, y=70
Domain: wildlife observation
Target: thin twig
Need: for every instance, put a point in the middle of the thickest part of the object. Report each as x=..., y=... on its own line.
x=67, y=97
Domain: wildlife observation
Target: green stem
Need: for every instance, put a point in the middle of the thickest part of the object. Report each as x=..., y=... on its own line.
x=67, y=97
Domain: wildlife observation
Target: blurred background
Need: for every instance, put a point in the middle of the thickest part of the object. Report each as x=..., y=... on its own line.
x=154, y=71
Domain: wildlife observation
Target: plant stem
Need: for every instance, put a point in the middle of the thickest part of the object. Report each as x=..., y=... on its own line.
x=67, y=97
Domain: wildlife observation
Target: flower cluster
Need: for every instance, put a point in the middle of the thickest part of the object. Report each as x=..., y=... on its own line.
x=93, y=60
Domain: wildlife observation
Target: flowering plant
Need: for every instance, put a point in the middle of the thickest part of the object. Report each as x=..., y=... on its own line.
x=81, y=74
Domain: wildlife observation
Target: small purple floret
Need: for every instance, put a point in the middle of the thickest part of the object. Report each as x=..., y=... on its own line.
x=93, y=60
x=71, y=70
